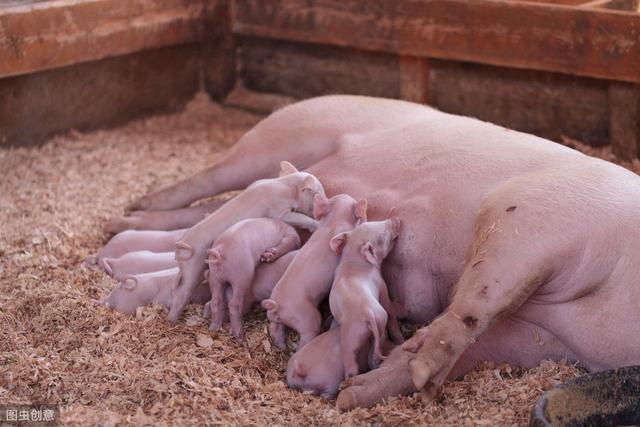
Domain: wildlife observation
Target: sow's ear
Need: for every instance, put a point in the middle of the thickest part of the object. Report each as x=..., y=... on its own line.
x=321, y=206
x=337, y=243
x=287, y=168
x=360, y=211
x=369, y=254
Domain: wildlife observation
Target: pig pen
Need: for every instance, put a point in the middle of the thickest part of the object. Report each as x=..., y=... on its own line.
x=102, y=367
x=68, y=67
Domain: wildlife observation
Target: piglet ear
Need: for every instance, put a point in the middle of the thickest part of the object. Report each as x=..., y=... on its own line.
x=298, y=369
x=287, y=168
x=321, y=206
x=309, y=184
x=129, y=282
x=337, y=243
x=360, y=211
x=369, y=254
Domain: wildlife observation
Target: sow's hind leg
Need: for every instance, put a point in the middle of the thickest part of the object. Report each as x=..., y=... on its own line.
x=510, y=258
x=256, y=155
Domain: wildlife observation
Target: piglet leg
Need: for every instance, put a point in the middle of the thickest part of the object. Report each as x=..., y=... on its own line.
x=287, y=244
x=241, y=292
x=392, y=322
x=298, y=220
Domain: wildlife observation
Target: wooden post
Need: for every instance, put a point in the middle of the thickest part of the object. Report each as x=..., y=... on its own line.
x=624, y=119
x=414, y=79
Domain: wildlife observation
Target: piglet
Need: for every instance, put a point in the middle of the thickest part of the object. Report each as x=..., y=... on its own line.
x=134, y=291
x=233, y=260
x=134, y=240
x=307, y=281
x=267, y=275
x=359, y=299
x=139, y=262
x=318, y=367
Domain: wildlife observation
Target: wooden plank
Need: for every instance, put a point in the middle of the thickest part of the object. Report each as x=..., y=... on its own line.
x=550, y=105
x=302, y=70
x=219, y=51
x=97, y=94
x=414, y=79
x=56, y=33
x=624, y=105
x=539, y=36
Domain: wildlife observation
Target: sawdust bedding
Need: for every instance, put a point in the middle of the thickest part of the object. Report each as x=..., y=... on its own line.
x=106, y=368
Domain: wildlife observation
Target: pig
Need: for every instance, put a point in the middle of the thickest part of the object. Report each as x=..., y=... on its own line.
x=139, y=262
x=134, y=240
x=307, y=281
x=233, y=259
x=135, y=291
x=359, y=299
x=513, y=248
x=288, y=197
x=266, y=277
x=318, y=367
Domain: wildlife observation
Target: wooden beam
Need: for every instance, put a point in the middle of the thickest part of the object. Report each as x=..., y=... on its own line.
x=539, y=36
x=624, y=120
x=53, y=34
x=414, y=79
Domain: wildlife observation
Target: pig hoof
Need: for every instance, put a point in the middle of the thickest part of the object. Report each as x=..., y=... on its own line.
x=420, y=373
x=347, y=400
x=184, y=251
x=269, y=255
x=91, y=261
x=141, y=204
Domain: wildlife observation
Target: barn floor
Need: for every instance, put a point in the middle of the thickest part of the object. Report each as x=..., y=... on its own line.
x=105, y=368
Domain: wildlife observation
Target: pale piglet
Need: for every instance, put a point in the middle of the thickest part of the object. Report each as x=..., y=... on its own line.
x=135, y=291
x=289, y=197
x=134, y=240
x=233, y=260
x=267, y=275
x=318, y=367
x=139, y=262
x=359, y=299
x=307, y=281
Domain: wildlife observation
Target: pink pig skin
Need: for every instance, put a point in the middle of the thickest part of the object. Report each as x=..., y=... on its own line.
x=359, y=299
x=318, y=366
x=139, y=262
x=307, y=281
x=142, y=289
x=267, y=275
x=132, y=241
x=292, y=193
x=233, y=260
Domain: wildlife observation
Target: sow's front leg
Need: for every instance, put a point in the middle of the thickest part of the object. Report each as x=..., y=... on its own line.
x=508, y=262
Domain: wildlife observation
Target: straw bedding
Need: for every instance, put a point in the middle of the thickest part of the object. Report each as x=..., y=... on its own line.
x=105, y=368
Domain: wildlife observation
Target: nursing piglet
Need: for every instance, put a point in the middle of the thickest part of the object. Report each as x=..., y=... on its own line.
x=307, y=281
x=233, y=260
x=134, y=240
x=139, y=262
x=359, y=299
x=134, y=291
x=318, y=366
x=267, y=275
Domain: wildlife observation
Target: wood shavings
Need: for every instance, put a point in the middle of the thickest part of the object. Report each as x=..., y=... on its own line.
x=57, y=346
